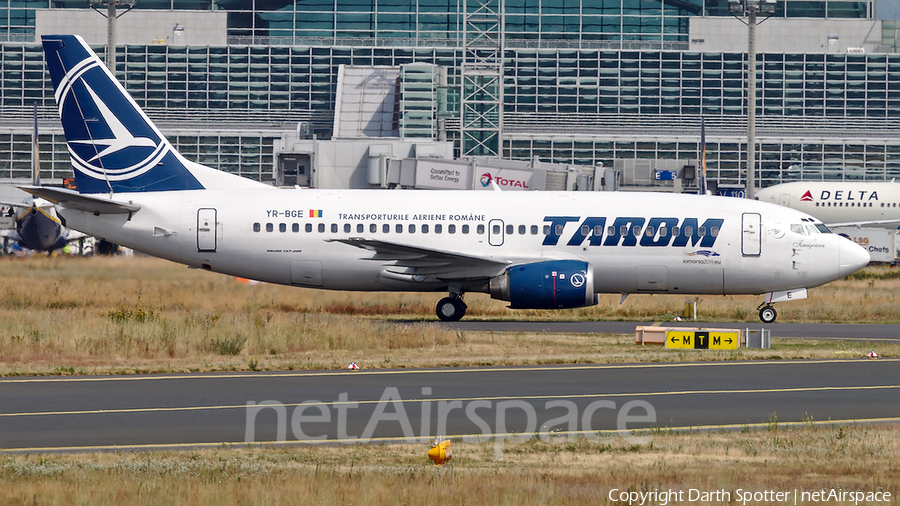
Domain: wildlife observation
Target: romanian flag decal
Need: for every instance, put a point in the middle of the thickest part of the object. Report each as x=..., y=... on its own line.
x=315, y=213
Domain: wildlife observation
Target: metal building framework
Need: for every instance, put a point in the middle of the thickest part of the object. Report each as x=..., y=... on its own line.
x=481, y=96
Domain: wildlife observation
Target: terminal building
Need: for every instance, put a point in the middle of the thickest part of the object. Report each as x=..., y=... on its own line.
x=253, y=86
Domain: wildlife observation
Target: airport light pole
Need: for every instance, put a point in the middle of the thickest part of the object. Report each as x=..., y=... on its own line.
x=111, y=18
x=751, y=8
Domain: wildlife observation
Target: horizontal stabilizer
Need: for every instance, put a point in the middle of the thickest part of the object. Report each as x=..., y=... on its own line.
x=17, y=205
x=75, y=200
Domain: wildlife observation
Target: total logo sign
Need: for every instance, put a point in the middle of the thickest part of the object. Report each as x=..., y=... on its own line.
x=507, y=180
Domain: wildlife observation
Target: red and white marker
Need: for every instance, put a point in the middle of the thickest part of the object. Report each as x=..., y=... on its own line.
x=354, y=367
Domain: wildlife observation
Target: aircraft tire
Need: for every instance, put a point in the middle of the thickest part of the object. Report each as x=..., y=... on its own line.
x=768, y=314
x=450, y=309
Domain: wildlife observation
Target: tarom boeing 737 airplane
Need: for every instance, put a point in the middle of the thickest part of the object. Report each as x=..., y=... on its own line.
x=538, y=250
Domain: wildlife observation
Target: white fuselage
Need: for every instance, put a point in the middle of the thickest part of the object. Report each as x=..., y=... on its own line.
x=290, y=236
x=840, y=202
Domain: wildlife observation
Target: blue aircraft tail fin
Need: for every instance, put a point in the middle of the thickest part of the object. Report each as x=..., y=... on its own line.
x=113, y=145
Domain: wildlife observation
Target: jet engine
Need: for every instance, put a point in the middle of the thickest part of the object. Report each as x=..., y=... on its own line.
x=554, y=284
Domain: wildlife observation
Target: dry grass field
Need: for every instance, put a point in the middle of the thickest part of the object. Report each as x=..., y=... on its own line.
x=129, y=315
x=805, y=458
x=134, y=315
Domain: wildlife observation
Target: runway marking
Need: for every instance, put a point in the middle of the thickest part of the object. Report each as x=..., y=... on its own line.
x=466, y=399
x=379, y=372
x=420, y=439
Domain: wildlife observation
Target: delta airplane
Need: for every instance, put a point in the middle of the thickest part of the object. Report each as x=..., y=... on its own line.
x=840, y=203
x=537, y=250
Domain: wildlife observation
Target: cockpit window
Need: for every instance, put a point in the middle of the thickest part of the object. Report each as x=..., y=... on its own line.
x=812, y=230
x=822, y=228
x=797, y=229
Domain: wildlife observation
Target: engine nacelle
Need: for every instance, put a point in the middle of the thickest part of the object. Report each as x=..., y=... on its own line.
x=555, y=284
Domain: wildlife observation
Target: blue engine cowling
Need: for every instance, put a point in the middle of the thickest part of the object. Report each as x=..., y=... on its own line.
x=555, y=284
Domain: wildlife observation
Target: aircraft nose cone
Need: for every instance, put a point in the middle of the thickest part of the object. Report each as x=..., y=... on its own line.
x=853, y=257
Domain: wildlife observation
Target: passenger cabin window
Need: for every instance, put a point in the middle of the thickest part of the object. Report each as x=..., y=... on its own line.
x=360, y=228
x=546, y=229
x=598, y=230
x=412, y=228
x=509, y=229
x=425, y=228
x=256, y=227
x=495, y=229
x=701, y=231
x=334, y=228
x=714, y=231
x=480, y=229
x=282, y=227
x=559, y=229
x=451, y=229
x=649, y=232
x=688, y=230
x=534, y=230
x=585, y=230
x=321, y=228
x=269, y=227
x=465, y=229
x=373, y=228
x=386, y=228
x=438, y=228
x=521, y=229
x=295, y=227
x=308, y=227
x=675, y=231
x=398, y=228
x=346, y=228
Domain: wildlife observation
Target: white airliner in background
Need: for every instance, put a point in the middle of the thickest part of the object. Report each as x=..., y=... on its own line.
x=546, y=250
x=37, y=226
x=840, y=203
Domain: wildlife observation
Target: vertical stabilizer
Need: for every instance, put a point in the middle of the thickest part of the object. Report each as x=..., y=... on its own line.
x=113, y=145
x=35, y=153
x=703, y=189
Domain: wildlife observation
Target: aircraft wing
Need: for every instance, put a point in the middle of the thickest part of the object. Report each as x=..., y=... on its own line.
x=75, y=200
x=418, y=262
x=859, y=224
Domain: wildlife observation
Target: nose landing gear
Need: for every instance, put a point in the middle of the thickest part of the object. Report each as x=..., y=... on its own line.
x=767, y=313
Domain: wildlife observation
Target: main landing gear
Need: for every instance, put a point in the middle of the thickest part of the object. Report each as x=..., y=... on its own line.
x=767, y=313
x=452, y=308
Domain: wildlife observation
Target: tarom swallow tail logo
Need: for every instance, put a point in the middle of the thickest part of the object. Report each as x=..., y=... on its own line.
x=116, y=154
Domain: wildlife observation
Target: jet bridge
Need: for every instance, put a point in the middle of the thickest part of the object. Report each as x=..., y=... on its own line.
x=419, y=164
